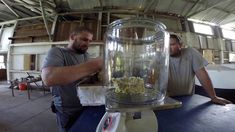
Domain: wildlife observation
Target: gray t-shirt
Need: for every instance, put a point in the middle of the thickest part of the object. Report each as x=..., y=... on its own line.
x=182, y=72
x=65, y=97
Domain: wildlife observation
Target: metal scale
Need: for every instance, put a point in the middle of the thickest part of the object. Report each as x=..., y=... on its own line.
x=136, y=75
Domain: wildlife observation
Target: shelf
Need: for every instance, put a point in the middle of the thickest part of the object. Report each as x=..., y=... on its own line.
x=40, y=43
x=29, y=53
x=24, y=71
x=20, y=37
x=52, y=43
x=97, y=43
x=3, y=52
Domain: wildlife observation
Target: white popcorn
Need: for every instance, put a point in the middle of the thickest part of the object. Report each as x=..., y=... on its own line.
x=129, y=85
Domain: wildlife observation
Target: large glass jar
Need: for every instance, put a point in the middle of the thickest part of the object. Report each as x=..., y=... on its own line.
x=136, y=61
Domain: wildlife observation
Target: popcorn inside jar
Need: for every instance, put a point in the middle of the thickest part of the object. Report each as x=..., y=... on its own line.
x=129, y=85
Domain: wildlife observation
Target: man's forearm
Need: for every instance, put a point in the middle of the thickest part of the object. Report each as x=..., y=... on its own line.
x=205, y=80
x=209, y=88
x=68, y=74
x=206, y=83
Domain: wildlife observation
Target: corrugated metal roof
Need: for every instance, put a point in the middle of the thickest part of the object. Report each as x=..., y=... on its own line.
x=220, y=12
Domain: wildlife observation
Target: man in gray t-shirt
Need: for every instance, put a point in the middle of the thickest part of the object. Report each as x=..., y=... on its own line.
x=184, y=64
x=63, y=68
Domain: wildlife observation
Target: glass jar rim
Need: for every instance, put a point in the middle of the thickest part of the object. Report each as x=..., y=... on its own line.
x=118, y=22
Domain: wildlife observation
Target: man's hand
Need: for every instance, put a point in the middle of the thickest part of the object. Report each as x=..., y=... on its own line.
x=220, y=101
x=68, y=74
x=97, y=62
x=205, y=80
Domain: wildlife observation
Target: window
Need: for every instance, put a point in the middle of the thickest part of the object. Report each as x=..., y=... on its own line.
x=2, y=64
x=203, y=29
x=4, y=41
x=229, y=34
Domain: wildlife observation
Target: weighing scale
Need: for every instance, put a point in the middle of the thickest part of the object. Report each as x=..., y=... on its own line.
x=133, y=118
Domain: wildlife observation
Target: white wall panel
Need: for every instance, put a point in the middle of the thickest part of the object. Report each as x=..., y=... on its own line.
x=18, y=62
x=7, y=32
x=233, y=46
x=40, y=60
x=37, y=49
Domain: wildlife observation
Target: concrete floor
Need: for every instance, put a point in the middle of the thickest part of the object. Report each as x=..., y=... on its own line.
x=18, y=114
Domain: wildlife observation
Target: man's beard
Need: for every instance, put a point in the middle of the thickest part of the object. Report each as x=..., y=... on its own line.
x=177, y=54
x=80, y=51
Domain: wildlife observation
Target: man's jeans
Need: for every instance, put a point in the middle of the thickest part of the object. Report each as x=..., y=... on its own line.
x=65, y=121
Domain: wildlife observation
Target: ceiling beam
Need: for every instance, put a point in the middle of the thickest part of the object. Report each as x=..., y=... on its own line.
x=221, y=18
x=45, y=20
x=10, y=8
x=149, y=5
x=156, y=5
x=194, y=5
x=223, y=22
x=221, y=9
x=169, y=7
x=36, y=6
x=6, y=16
x=101, y=4
x=185, y=6
x=208, y=8
x=1, y=19
x=25, y=11
x=224, y=17
x=22, y=11
x=7, y=22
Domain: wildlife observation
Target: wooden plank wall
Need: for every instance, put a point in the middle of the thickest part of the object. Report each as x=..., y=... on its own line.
x=65, y=28
x=30, y=34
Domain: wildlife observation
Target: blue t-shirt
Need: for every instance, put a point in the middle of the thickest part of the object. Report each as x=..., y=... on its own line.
x=65, y=96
